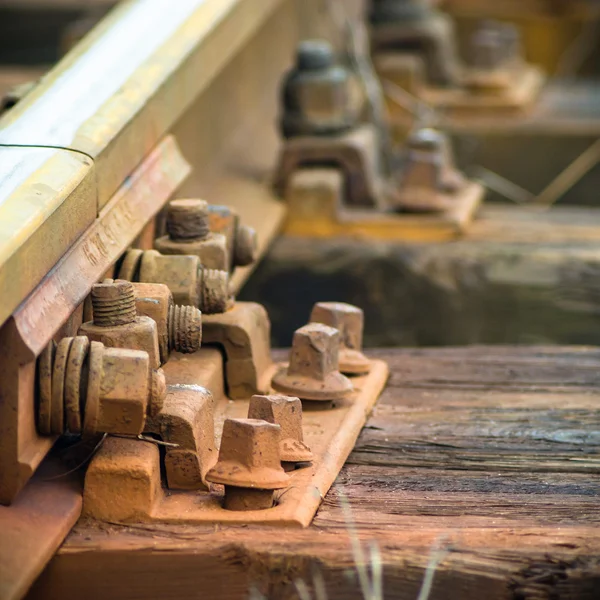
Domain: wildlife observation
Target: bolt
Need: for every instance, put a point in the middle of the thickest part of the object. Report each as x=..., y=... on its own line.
x=179, y=327
x=189, y=281
x=87, y=387
x=188, y=219
x=249, y=464
x=286, y=412
x=184, y=328
x=189, y=232
x=113, y=303
x=313, y=372
x=116, y=322
x=349, y=321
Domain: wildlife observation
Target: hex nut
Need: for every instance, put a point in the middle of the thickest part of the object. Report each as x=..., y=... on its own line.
x=189, y=233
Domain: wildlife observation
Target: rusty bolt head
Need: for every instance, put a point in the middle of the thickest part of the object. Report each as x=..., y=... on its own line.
x=286, y=412
x=122, y=390
x=189, y=232
x=141, y=334
x=313, y=372
x=189, y=282
x=180, y=273
x=348, y=320
x=187, y=219
x=249, y=456
x=87, y=388
x=179, y=327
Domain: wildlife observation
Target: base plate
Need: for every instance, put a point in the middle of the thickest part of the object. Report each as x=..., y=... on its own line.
x=330, y=431
x=314, y=197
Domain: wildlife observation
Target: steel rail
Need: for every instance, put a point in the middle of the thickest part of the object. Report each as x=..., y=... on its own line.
x=72, y=142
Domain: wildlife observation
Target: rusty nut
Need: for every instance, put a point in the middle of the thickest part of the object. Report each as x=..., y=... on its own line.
x=179, y=327
x=189, y=233
x=349, y=321
x=313, y=371
x=122, y=390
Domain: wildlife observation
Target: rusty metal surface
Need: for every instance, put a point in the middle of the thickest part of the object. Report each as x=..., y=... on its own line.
x=313, y=371
x=134, y=465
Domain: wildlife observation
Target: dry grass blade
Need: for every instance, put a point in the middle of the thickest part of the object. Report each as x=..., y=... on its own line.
x=425, y=115
x=435, y=558
x=501, y=185
x=569, y=176
x=302, y=589
x=367, y=582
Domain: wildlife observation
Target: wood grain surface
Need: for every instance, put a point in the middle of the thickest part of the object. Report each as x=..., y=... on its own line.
x=480, y=461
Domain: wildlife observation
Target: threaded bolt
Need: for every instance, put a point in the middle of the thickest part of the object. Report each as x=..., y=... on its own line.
x=184, y=328
x=214, y=291
x=113, y=303
x=188, y=219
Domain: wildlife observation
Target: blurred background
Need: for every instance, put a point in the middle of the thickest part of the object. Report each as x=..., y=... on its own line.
x=524, y=266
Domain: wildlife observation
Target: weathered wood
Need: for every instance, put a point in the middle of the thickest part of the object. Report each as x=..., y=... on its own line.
x=490, y=453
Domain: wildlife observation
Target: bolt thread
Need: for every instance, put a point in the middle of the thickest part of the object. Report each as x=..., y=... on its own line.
x=215, y=295
x=188, y=219
x=113, y=303
x=184, y=328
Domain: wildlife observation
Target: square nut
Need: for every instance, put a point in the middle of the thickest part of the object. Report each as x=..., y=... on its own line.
x=124, y=391
x=327, y=100
x=179, y=272
x=211, y=250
